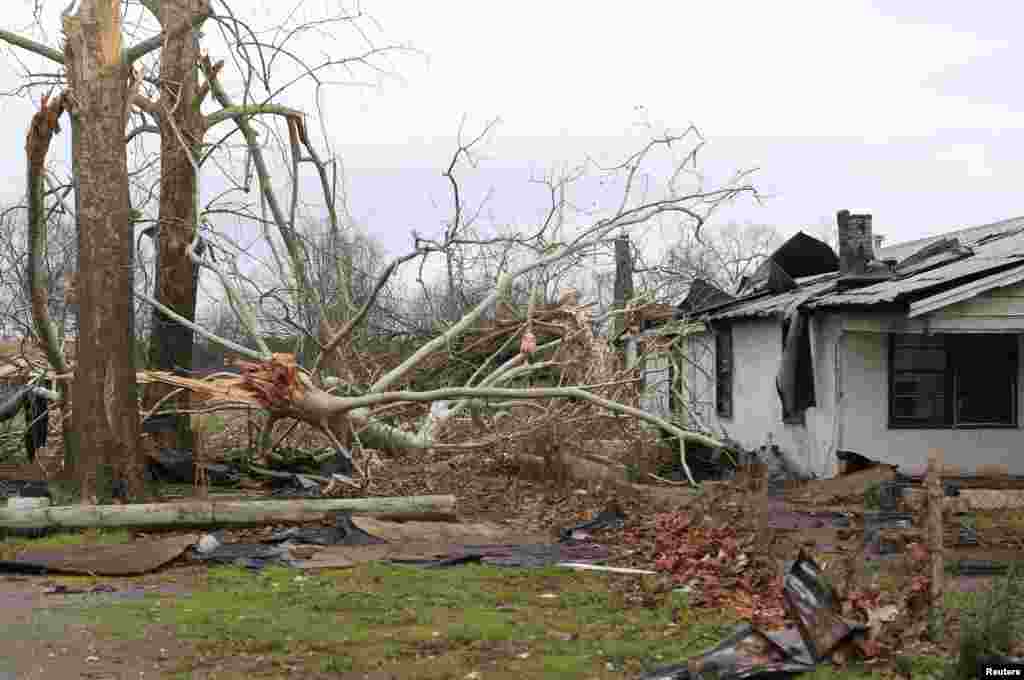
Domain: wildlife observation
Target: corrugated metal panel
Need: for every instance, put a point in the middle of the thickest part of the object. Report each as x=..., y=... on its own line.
x=995, y=245
x=774, y=305
x=966, y=292
x=966, y=237
x=987, y=255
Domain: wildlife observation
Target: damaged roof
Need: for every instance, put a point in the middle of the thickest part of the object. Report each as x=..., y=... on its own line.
x=914, y=269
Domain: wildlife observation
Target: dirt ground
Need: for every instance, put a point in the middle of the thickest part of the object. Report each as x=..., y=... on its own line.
x=44, y=636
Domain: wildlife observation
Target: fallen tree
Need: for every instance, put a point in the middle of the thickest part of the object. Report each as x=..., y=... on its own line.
x=220, y=513
x=282, y=389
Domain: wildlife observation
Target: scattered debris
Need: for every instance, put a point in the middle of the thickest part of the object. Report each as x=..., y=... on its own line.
x=63, y=589
x=611, y=517
x=751, y=653
x=845, y=488
x=28, y=399
x=211, y=548
x=433, y=545
x=177, y=466
x=126, y=559
x=344, y=532
x=583, y=566
x=24, y=488
x=875, y=523
x=717, y=560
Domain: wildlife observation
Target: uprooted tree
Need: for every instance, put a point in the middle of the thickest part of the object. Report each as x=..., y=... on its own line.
x=101, y=92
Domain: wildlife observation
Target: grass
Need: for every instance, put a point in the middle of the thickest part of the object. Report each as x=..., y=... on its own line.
x=11, y=545
x=416, y=623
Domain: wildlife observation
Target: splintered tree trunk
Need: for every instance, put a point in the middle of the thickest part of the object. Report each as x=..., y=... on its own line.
x=105, y=414
x=177, y=277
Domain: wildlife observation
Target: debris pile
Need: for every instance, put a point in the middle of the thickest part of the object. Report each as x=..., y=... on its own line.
x=719, y=565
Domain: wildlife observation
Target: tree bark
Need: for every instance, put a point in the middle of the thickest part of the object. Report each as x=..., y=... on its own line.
x=105, y=416
x=177, y=277
x=220, y=513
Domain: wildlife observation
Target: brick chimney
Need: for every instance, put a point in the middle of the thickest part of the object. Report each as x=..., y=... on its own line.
x=856, y=245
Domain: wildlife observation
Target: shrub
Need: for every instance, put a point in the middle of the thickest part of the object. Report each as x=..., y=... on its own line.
x=991, y=623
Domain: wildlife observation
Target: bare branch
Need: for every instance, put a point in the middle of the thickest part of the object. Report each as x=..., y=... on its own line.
x=32, y=46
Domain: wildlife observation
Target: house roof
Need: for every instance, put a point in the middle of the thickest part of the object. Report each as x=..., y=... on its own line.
x=942, y=269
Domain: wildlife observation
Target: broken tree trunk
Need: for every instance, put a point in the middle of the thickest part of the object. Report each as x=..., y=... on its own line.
x=219, y=513
x=935, y=552
x=176, y=275
x=105, y=416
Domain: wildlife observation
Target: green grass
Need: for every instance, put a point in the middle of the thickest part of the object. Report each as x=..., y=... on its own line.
x=11, y=545
x=415, y=623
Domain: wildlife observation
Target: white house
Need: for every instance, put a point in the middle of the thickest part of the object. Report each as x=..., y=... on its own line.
x=885, y=353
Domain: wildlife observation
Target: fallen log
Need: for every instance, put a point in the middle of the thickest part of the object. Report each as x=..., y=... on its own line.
x=218, y=513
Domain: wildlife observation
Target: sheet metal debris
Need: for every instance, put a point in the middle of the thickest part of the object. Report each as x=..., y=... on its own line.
x=212, y=548
x=752, y=653
x=611, y=517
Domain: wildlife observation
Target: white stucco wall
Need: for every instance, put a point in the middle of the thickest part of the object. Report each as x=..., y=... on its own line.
x=850, y=355
x=865, y=419
x=757, y=411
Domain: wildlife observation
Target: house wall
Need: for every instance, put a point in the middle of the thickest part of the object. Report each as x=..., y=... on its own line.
x=757, y=411
x=850, y=356
x=866, y=387
x=999, y=309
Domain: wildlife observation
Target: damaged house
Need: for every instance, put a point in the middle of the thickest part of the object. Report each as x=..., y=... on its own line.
x=882, y=352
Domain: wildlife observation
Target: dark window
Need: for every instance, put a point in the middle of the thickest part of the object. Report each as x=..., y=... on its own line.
x=723, y=372
x=953, y=380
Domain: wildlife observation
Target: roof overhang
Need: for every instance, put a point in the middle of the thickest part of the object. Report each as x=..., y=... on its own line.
x=966, y=292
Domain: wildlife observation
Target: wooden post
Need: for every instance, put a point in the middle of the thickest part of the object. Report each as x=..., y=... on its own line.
x=936, y=557
x=623, y=288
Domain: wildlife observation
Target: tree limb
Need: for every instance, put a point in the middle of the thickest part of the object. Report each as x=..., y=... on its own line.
x=171, y=314
x=234, y=112
x=32, y=46
x=44, y=125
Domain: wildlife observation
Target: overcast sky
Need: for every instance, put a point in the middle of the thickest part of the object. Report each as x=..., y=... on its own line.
x=910, y=110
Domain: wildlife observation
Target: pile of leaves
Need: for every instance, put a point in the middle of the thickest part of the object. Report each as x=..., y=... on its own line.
x=719, y=565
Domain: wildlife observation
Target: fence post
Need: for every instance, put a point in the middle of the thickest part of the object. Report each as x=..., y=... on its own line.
x=935, y=551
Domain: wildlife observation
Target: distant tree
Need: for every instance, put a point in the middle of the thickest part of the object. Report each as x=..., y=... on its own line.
x=721, y=255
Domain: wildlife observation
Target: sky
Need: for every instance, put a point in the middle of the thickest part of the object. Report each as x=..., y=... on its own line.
x=905, y=109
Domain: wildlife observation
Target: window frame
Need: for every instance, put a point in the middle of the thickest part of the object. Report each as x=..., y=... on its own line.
x=952, y=345
x=725, y=372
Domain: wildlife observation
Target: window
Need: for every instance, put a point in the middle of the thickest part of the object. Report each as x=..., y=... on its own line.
x=723, y=372
x=801, y=380
x=953, y=380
